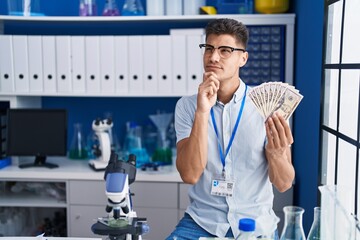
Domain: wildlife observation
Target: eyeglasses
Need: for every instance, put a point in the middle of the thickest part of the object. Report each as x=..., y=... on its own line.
x=224, y=51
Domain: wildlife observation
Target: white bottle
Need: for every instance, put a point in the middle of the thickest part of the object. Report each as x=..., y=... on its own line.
x=247, y=229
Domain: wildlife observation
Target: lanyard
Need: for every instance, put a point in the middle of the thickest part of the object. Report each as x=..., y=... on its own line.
x=222, y=156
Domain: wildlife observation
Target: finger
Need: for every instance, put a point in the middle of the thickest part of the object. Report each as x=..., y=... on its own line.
x=273, y=132
x=283, y=141
x=211, y=77
x=287, y=129
x=268, y=135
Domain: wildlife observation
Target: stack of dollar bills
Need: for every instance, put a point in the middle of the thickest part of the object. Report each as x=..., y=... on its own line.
x=271, y=97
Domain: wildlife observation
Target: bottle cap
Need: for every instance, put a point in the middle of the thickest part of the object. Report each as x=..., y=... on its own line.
x=247, y=224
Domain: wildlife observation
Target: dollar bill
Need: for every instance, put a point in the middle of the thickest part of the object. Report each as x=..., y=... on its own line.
x=272, y=97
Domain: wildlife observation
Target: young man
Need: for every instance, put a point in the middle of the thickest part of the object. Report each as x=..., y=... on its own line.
x=224, y=148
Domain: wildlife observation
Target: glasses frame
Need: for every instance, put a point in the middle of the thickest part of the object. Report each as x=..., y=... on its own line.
x=204, y=45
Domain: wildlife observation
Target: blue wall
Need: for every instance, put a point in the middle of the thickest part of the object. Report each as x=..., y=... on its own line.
x=308, y=61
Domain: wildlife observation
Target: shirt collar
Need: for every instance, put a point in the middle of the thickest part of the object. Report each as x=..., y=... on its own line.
x=238, y=95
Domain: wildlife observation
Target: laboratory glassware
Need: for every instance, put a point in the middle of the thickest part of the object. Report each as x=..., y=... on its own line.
x=293, y=228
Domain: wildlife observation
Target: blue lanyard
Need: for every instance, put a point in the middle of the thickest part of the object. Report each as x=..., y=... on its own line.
x=222, y=156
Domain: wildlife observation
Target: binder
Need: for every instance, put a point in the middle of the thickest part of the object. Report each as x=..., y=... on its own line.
x=179, y=64
x=164, y=64
x=135, y=56
x=150, y=63
x=21, y=69
x=121, y=64
x=194, y=63
x=49, y=63
x=78, y=63
x=107, y=64
x=35, y=63
x=6, y=64
x=92, y=64
x=63, y=64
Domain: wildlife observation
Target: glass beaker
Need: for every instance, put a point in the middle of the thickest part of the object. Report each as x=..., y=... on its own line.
x=314, y=233
x=78, y=147
x=293, y=228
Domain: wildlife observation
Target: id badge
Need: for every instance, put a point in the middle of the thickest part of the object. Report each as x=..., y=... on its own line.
x=222, y=188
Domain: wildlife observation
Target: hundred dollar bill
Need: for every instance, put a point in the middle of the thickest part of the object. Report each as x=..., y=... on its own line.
x=288, y=103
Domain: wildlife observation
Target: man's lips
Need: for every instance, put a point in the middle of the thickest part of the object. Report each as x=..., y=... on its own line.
x=213, y=67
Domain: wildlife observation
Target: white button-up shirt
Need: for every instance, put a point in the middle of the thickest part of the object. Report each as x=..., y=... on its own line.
x=245, y=165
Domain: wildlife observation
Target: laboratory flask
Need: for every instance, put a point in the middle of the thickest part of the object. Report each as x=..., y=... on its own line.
x=110, y=8
x=87, y=8
x=314, y=233
x=293, y=228
x=133, y=8
x=78, y=147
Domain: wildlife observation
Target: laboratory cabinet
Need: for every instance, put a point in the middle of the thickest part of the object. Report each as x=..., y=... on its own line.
x=78, y=193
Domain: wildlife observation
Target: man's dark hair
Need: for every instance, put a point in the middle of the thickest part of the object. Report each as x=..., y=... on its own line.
x=228, y=26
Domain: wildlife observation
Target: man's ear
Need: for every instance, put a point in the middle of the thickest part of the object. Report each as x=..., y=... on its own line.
x=243, y=59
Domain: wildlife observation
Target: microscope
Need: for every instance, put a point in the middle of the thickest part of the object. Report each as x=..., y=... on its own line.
x=121, y=222
x=102, y=131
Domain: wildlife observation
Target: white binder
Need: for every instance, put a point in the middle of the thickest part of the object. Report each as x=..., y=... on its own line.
x=6, y=64
x=78, y=63
x=92, y=63
x=194, y=63
x=179, y=64
x=107, y=64
x=35, y=63
x=135, y=57
x=164, y=64
x=150, y=61
x=21, y=68
x=121, y=64
x=63, y=64
x=49, y=63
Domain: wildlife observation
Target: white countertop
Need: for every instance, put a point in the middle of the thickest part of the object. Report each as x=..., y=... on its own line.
x=80, y=170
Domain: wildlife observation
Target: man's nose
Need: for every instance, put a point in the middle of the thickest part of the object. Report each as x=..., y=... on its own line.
x=215, y=56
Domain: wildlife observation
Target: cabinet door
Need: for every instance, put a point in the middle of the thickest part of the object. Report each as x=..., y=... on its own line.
x=87, y=192
x=82, y=217
x=154, y=194
x=162, y=221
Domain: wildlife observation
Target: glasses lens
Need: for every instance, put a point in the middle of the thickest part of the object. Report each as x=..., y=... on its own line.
x=225, y=52
x=207, y=49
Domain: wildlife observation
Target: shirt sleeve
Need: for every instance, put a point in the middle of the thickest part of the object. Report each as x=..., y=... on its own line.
x=184, y=118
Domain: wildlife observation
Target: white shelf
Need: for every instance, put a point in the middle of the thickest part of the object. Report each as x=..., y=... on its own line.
x=79, y=170
x=26, y=199
x=249, y=19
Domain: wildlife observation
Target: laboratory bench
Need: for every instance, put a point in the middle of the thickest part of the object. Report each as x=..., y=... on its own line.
x=79, y=192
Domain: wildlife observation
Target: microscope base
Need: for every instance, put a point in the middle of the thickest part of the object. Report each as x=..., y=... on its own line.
x=134, y=228
x=98, y=165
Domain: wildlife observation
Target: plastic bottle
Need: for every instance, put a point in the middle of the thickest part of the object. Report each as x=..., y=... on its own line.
x=88, y=8
x=247, y=229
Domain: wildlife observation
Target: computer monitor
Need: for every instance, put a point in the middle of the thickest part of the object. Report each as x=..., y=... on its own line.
x=36, y=132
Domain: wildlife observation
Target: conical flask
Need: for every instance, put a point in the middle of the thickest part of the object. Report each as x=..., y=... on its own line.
x=110, y=8
x=132, y=8
x=314, y=233
x=293, y=228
